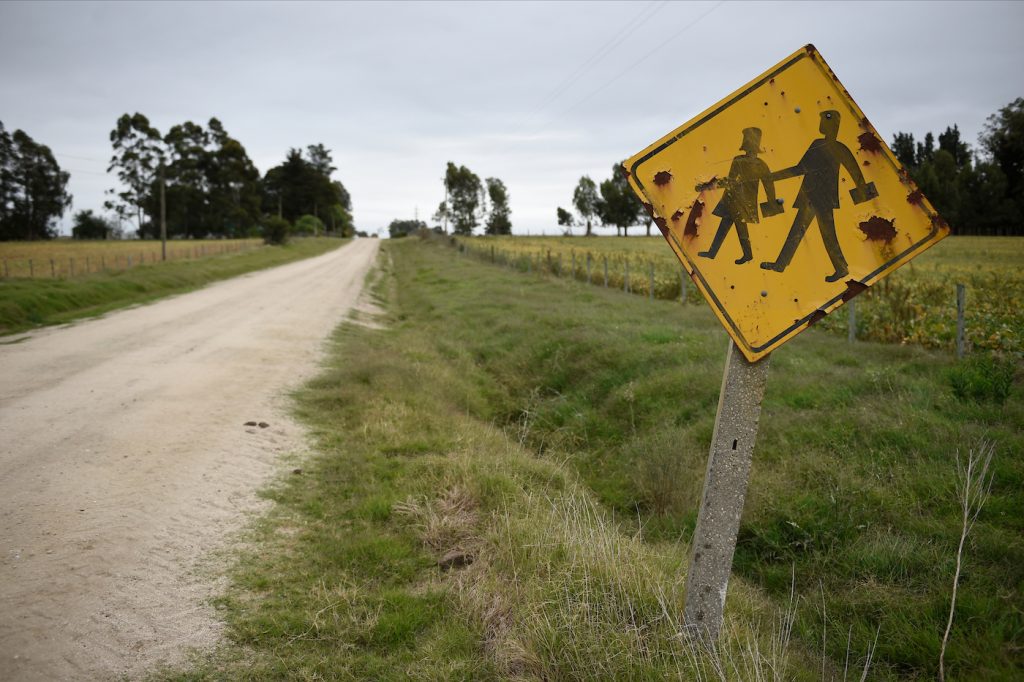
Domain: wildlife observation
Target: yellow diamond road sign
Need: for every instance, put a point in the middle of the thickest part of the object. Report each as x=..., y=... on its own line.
x=782, y=202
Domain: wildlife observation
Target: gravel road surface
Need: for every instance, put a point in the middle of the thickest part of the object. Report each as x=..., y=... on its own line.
x=124, y=462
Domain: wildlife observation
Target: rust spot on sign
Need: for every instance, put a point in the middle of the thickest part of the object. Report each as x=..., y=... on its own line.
x=662, y=178
x=709, y=185
x=815, y=316
x=691, y=221
x=677, y=215
x=869, y=142
x=853, y=288
x=866, y=162
x=938, y=223
x=915, y=198
x=878, y=229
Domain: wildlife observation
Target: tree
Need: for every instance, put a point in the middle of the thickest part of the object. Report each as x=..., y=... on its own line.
x=951, y=143
x=904, y=150
x=275, y=230
x=566, y=220
x=618, y=205
x=402, y=228
x=1003, y=141
x=33, y=188
x=498, y=220
x=302, y=184
x=138, y=153
x=585, y=198
x=465, y=197
x=88, y=225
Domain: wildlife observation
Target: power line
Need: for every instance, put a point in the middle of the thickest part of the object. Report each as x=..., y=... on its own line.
x=636, y=22
x=642, y=59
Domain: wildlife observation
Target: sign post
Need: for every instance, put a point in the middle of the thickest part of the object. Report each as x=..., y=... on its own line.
x=782, y=203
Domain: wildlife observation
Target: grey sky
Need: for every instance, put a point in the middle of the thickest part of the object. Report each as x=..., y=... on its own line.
x=397, y=90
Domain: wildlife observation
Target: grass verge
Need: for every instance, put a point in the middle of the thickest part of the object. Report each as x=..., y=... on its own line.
x=29, y=303
x=507, y=477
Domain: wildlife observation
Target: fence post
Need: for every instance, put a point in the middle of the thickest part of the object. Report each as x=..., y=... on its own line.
x=88, y=265
x=31, y=269
x=129, y=260
x=588, y=267
x=574, y=264
x=549, y=260
x=103, y=262
x=559, y=264
x=53, y=270
x=961, y=304
x=625, y=281
x=851, y=334
x=650, y=294
x=71, y=267
x=605, y=258
x=492, y=253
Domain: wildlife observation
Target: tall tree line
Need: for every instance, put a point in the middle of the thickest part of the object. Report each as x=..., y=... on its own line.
x=33, y=188
x=212, y=188
x=978, y=191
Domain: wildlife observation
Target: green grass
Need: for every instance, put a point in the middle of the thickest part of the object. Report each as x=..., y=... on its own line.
x=29, y=303
x=557, y=434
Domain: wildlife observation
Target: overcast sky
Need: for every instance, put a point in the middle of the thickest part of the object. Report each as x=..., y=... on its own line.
x=535, y=94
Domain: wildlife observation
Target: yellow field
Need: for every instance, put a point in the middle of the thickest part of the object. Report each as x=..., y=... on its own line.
x=71, y=258
x=917, y=304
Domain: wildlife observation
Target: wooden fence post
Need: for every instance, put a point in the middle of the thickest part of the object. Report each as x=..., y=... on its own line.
x=625, y=281
x=53, y=270
x=588, y=268
x=961, y=305
x=605, y=271
x=31, y=269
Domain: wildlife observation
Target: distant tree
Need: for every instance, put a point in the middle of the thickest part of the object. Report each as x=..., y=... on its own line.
x=566, y=220
x=950, y=142
x=234, y=184
x=925, y=150
x=302, y=184
x=1003, y=141
x=586, y=199
x=402, y=228
x=33, y=188
x=618, y=205
x=276, y=230
x=465, y=198
x=441, y=216
x=904, y=150
x=498, y=218
x=308, y=225
x=88, y=225
x=138, y=153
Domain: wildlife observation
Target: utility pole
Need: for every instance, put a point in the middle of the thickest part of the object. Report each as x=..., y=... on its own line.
x=163, y=214
x=446, y=205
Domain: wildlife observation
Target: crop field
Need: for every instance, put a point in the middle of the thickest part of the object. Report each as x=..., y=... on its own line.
x=917, y=304
x=63, y=258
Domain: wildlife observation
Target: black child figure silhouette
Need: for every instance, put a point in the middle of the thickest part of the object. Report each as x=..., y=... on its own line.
x=819, y=195
x=739, y=203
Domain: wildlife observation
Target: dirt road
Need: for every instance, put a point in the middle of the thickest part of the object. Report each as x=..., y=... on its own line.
x=124, y=461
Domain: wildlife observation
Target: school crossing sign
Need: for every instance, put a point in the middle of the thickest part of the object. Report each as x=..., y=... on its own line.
x=782, y=202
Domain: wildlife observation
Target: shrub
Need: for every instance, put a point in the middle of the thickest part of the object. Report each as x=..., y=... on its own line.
x=309, y=224
x=983, y=378
x=275, y=230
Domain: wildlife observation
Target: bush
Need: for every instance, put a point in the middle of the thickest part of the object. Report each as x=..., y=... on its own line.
x=309, y=225
x=275, y=230
x=983, y=378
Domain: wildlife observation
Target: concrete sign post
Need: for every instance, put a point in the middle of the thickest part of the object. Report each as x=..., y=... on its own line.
x=725, y=489
x=782, y=203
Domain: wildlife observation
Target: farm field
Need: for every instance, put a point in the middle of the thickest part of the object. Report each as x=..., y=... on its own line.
x=74, y=258
x=916, y=304
x=506, y=476
x=27, y=302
